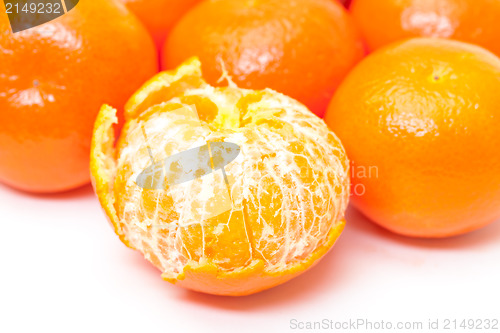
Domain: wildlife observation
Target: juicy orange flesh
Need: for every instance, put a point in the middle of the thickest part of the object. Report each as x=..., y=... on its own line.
x=288, y=187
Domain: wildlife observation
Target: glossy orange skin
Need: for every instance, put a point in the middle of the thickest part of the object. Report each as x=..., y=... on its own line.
x=302, y=48
x=425, y=113
x=159, y=16
x=386, y=21
x=53, y=80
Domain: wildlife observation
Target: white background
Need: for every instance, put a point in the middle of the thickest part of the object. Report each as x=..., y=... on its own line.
x=62, y=269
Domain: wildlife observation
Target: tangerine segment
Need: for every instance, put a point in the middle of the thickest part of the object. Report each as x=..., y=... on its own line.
x=287, y=189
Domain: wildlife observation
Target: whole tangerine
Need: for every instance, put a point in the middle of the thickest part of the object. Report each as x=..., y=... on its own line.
x=419, y=120
x=301, y=48
x=53, y=80
x=385, y=21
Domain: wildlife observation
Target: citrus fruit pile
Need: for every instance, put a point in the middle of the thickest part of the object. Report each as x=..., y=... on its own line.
x=230, y=182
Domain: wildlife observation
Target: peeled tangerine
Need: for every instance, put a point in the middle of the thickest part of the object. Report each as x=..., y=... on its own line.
x=227, y=191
